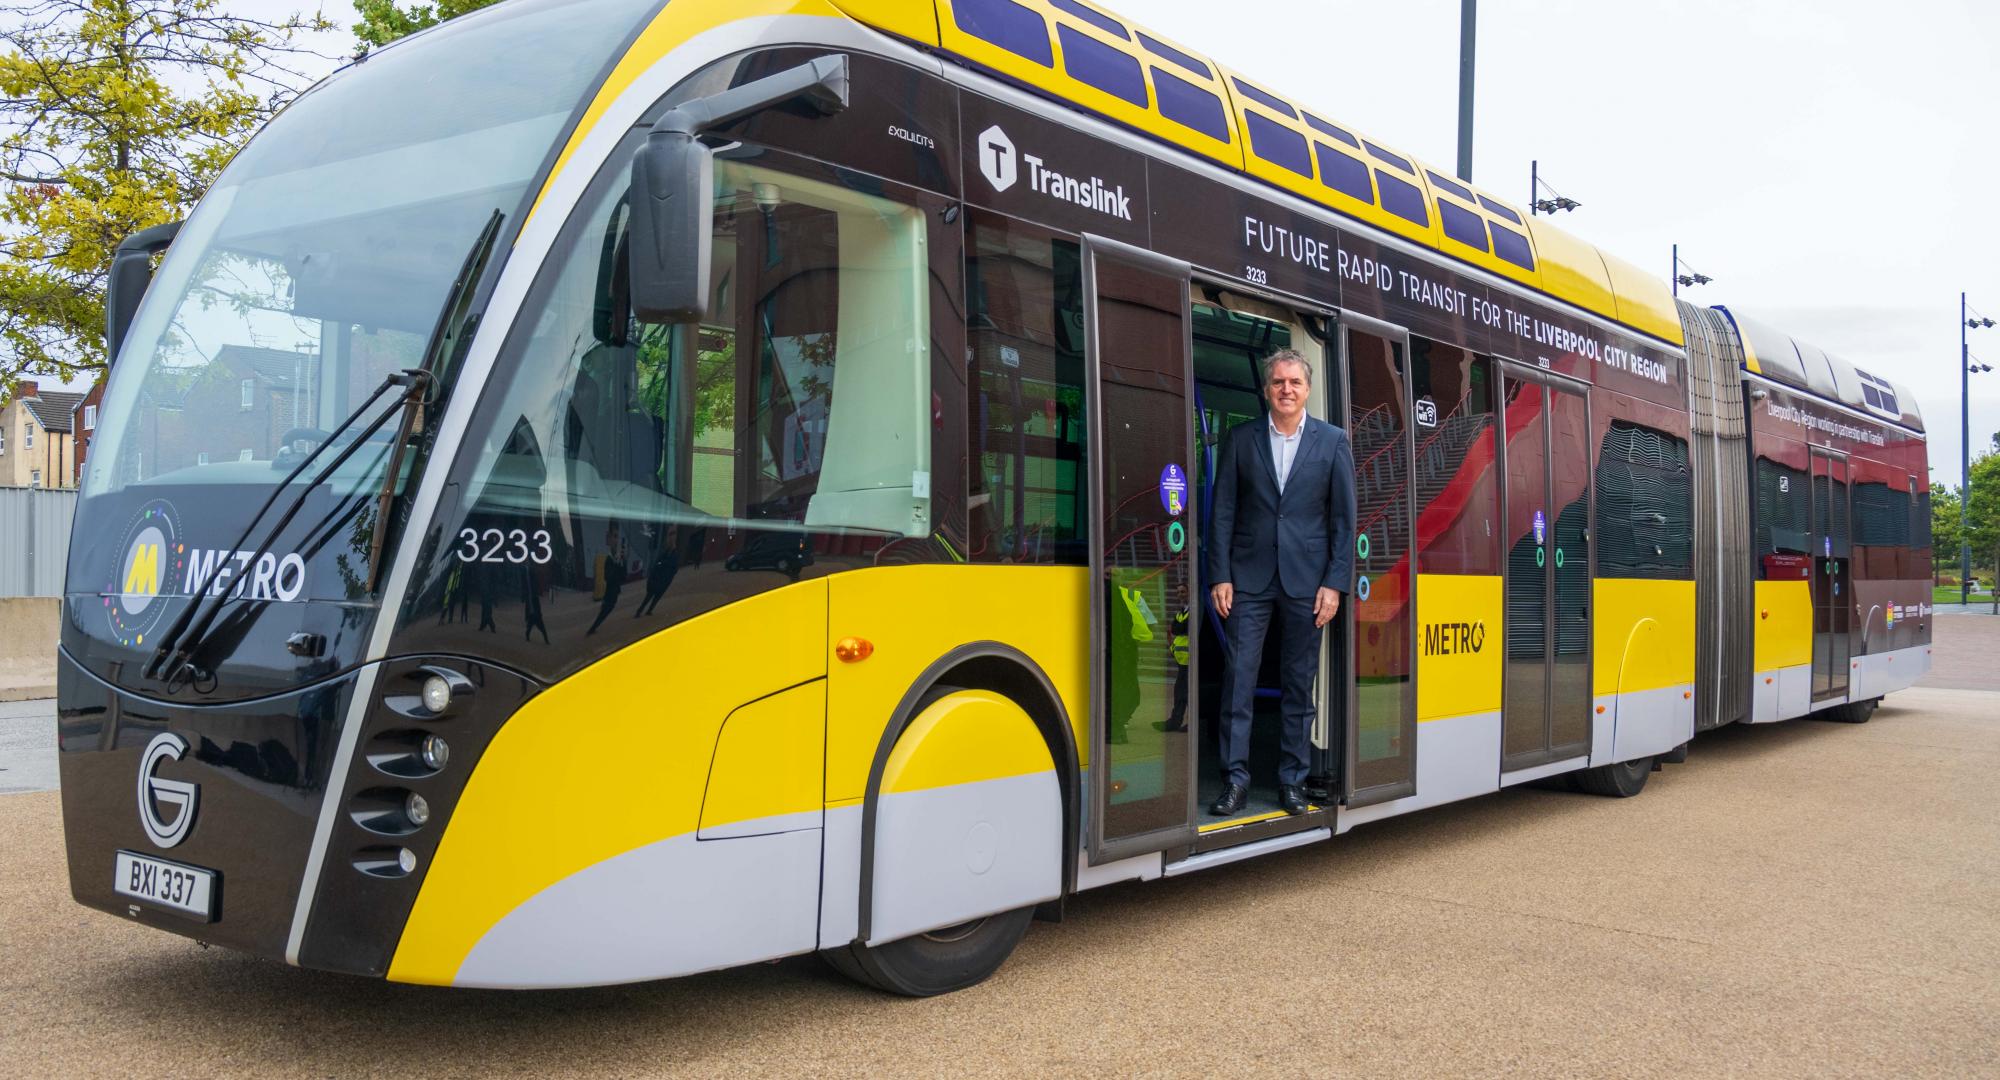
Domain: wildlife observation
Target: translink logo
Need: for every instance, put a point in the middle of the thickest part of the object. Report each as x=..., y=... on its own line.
x=997, y=162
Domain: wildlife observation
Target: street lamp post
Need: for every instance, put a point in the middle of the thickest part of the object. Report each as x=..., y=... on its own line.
x=1468, y=29
x=1691, y=277
x=1965, y=322
x=1540, y=204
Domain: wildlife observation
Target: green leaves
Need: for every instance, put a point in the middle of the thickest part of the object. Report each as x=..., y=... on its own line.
x=383, y=21
x=1982, y=517
x=115, y=115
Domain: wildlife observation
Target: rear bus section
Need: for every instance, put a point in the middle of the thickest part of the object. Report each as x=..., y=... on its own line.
x=1839, y=498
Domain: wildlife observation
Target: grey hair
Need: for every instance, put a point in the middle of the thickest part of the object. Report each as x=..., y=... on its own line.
x=1288, y=356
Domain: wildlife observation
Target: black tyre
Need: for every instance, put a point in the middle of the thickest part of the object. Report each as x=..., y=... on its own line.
x=1678, y=755
x=1621, y=781
x=1854, y=712
x=938, y=962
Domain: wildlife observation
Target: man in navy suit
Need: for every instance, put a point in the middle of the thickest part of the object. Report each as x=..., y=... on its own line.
x=1280, y=549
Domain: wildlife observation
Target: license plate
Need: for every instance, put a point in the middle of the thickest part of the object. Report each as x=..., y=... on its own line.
x=187, y=889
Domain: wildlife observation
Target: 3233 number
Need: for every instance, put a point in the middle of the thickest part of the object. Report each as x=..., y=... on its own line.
x=504, y=546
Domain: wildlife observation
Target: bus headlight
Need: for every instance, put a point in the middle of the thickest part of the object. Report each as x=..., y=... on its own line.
x=417, y=809
x=437, y=694
x=435, y=752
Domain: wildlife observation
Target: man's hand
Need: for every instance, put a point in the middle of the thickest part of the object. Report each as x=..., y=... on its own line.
x=1224, y=595
x=1326, y=604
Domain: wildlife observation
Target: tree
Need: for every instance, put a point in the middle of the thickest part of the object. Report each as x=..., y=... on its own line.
x=1982, y=510
x=1944, y=528
x=383, y=21
x=115, y=115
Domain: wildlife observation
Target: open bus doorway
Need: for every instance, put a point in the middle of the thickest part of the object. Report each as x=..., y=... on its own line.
x=1232, y=336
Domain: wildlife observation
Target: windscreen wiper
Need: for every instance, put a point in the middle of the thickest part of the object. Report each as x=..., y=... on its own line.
x=174, y=653
x=455, y=326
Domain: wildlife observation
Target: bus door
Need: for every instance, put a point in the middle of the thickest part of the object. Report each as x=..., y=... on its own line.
x=1380, y=617
x=1831, y=592
x=1138, y=380
x=1546, y=692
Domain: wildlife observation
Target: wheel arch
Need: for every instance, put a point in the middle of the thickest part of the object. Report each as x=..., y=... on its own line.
x=1001, y=669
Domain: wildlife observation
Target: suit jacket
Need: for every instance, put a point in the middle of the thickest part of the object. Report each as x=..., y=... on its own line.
x=1303, y=539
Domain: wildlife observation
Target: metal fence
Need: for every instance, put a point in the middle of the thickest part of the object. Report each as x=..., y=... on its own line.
x=34, y=540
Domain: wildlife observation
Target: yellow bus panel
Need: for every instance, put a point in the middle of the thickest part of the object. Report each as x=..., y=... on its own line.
x=602, y=763
x=1310, y=184
x=914, y=615
x=1784, y=625
x=1053, y=77
x=1482, y=256
x=674, y=26
x=916, y=22
x=1643, y=633
x=1645, y=303
x=964, y=738
x=1572, y=269
x=770, y=759
x=1461, y=644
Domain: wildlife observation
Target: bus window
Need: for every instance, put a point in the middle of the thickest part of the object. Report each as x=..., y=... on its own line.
x=1782, y=525
x=1645, y=504
x=1024, y=337
x=1458, y=498
x=627, y=476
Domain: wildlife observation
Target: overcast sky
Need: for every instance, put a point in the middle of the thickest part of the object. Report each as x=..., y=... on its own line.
x=1832, y=164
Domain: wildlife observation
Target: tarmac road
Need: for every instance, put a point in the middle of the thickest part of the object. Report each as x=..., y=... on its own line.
x=1805, y=898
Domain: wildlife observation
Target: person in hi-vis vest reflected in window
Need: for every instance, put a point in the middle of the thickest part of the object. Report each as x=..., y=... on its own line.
x=1280, y=550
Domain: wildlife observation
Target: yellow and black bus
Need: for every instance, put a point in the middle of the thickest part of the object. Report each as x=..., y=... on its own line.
x=602, y=490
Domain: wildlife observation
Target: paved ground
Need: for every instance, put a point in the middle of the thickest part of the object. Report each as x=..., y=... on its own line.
x=1798, y=899
x=1965, y=653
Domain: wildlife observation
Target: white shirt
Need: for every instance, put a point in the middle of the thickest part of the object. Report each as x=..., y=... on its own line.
x=1284, y=448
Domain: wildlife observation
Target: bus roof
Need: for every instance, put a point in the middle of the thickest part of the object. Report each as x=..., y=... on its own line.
x=1082, y=55
x=1782, y=358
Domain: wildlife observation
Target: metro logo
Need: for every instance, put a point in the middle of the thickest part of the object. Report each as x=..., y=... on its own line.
x=142, y=576
x=1447, y=639
x=141, y=581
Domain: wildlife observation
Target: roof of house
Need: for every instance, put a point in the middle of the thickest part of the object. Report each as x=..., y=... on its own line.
x=52, y=409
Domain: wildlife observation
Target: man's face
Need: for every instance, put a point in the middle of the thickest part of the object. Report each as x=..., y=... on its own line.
x=1286, y=391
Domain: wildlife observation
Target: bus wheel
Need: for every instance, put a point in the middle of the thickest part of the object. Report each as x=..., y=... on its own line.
x=946, y=959
x=1623, y=780
x=1854, y=712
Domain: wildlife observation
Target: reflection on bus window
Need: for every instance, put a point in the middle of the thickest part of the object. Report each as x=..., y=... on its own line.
x=637, y=474
x=1645, y=504
x=1458, y=499
x=1026, y=348
x=1782, y=508
x=251, y=372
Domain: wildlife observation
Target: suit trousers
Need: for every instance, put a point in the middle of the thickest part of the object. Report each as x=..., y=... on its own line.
x=1249, y=624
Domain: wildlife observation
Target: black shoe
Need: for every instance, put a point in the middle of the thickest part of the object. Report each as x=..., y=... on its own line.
x=1292, y=798
x=1231, y=802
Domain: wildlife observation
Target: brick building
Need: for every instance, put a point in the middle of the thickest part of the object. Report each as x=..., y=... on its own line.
x=37, y=439
x=83, y=424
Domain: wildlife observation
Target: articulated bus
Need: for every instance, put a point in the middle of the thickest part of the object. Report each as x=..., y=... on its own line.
x=603, y=490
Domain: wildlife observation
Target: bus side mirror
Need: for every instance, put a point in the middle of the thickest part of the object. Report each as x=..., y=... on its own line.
x=673, y=185
x=673, y=180
x=131, y=272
